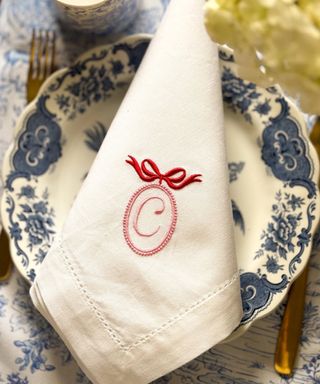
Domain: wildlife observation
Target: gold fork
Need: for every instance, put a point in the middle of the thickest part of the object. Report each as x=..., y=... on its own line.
x=41, y=62
x=41, y=66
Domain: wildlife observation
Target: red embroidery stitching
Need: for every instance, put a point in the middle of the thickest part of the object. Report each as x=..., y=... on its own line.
x=126, y=221
x=157, y=212
x=172, y=177
x=148, y=171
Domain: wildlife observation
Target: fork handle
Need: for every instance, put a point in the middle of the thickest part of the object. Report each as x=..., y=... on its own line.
x=291, y=326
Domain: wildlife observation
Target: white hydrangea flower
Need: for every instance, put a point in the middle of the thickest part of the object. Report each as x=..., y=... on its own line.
x=284, y=33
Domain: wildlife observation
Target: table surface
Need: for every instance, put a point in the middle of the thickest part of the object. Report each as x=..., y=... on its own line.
x=30, y=351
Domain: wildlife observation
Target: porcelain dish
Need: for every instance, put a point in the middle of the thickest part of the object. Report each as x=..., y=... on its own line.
x=273, y=168
x=97, y=16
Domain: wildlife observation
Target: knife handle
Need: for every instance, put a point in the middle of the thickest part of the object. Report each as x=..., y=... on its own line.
x=5, y=259
x=291, y=326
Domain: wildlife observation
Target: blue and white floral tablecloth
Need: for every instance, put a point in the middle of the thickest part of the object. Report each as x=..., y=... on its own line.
x=30, y=351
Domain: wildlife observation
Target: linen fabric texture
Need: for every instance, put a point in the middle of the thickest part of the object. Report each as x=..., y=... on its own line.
x=143, y=277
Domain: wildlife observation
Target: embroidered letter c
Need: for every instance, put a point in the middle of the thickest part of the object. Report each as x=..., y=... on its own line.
x=157, y=212
x=143, y=211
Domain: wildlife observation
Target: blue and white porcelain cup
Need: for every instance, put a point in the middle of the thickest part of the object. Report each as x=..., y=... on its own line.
x=98, y=16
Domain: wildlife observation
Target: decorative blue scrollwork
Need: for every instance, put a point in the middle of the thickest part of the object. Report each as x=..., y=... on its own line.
x=238, y=93
x=15, y=232
x=284, y=150
x=39, y=145
x=234, y=170
x=256, y=293
x=304, y=238
x=257, y=290
x=77, y=69
x=135, y=53
x=283, y=147
x=35, y=223
x=238, y=219
x=225, y=55
x=98, y=79
x=95, y=136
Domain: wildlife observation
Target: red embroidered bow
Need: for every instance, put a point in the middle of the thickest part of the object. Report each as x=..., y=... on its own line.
x=175, y=178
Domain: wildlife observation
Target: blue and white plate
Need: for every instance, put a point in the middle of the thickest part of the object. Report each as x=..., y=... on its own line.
x=273, y=168
x=56, y=140
x=273, y=173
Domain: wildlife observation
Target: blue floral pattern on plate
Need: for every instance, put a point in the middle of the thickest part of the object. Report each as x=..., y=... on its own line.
x=93, y=79
x=36, y=221
x=3, y=303
x=97, y=82
x=95, y=136
x=24, y=335
x=287, y=156
x=234, y=171
x=38, y=146
x=247, y=360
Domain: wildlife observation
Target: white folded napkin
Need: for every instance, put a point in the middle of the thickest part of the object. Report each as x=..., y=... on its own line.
x=143, y=277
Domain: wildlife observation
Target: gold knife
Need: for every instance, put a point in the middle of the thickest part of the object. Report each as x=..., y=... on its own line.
x=5, y=259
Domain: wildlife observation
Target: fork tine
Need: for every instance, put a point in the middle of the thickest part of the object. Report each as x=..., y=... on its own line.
x=42, y=46
x=47, y=54
x=50, y=51
x=53, y=52
x=32, y=55
x=41, y=63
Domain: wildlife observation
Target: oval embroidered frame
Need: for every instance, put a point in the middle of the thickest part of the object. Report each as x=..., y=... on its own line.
x=169, y=233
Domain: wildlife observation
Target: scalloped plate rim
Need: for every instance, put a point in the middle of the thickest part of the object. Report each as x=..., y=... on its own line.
x=311, y=152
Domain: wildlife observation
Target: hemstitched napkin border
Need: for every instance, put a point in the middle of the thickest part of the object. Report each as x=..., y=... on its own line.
x=112, y=333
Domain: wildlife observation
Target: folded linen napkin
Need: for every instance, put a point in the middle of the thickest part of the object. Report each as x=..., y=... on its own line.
x=143, y=277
